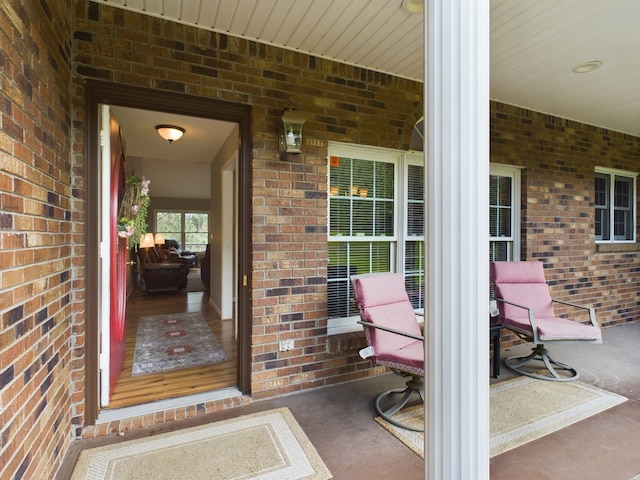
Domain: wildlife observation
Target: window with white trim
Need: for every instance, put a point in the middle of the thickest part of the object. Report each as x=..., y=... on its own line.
x=413, y=235
x=376, y=224
x=504, y=213
x=615, y=200
x=190, y=229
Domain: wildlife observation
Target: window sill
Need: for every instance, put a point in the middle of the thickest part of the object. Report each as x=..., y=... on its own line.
x=617, y=247
x=353, y=341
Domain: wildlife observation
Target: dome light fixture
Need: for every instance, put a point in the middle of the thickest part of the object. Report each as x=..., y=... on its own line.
x=587, y=67
x=171, y=133
x=413, y=7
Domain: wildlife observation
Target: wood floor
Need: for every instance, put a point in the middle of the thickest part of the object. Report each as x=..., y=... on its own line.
x=158, y=386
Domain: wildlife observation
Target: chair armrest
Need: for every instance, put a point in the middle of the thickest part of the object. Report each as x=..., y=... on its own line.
x=532, y=318
x=391, y=330
x=592, y=312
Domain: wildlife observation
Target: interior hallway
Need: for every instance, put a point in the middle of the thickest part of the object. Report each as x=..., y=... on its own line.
x=135, y=389
x=339, y=422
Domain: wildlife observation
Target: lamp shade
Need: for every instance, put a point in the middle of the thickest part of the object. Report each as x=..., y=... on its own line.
x=159, y=239
x=170, y=133
x=146, y=240
x=291, y=138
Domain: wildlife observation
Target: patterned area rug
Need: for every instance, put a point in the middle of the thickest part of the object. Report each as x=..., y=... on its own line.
x=267, y=445
x=521, y=410
x=170, y=342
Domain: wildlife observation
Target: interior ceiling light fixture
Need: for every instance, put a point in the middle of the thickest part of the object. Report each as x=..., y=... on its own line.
x=171, y=133
x=413, y=6
x=587, y=67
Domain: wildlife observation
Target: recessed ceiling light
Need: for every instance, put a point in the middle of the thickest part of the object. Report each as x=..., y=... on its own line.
x=587, y=67
x=413, y=6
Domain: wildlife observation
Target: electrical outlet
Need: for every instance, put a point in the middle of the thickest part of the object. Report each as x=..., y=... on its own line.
x=286, y=345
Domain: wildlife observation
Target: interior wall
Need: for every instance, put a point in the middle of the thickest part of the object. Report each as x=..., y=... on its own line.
x=162, y=203
x=176, y=179
x=173, y=185
x=220, y=250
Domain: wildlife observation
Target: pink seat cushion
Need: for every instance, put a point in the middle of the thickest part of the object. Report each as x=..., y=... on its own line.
x=383, y=300
x=409, y=358
x=522, y=283
x=555, y=328
x=517, y=272
x=532, y=295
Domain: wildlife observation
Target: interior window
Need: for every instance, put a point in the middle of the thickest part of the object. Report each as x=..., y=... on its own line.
x=191, y=229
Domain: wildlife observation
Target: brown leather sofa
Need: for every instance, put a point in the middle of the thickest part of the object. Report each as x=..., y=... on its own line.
x=161, y=272
x=173, y=246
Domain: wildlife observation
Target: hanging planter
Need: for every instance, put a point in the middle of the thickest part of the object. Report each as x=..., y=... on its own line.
x=132, y=217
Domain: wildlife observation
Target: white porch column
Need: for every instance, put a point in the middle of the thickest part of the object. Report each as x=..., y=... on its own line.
x=457, y=179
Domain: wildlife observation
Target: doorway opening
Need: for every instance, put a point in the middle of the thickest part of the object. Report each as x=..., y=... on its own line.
x=224, y=307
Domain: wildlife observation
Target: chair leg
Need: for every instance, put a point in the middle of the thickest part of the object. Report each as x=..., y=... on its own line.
x=415, y=385
x=541, y=354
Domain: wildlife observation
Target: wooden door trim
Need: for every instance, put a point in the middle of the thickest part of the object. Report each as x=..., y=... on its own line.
x=99, y=92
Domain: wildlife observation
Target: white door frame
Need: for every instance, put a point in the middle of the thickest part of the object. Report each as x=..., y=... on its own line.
x=104, y=309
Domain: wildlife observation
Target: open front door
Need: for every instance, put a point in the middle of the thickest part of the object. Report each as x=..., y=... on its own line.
x=118, y=258
x=113, y=256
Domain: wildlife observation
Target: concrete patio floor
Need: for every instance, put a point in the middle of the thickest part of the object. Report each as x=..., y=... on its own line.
x=339, y=422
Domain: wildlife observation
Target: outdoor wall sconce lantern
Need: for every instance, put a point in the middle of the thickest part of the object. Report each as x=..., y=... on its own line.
x=291, y=135
x=171, y=133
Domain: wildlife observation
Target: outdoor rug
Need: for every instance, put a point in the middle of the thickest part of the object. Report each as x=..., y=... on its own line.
x=170, y=342
x=521, y=410
x=269, y=445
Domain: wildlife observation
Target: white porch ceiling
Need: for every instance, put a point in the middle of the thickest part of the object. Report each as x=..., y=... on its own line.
x=534, y=45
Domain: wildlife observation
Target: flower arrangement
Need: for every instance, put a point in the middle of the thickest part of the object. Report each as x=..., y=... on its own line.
x=132, y=217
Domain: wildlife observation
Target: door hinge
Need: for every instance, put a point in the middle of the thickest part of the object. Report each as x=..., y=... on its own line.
x=104, y=138
x=245, y=282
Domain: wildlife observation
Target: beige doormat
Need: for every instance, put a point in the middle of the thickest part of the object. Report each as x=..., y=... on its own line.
x=521, y=410
x=268, y=445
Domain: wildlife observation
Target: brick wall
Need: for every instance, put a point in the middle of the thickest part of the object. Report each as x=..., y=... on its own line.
x=558, y=213
x=36, y=237
x=346, y=104
x=289, y=198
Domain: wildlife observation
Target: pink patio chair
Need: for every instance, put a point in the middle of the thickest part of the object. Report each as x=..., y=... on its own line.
x=393, y=335
x=526, y=308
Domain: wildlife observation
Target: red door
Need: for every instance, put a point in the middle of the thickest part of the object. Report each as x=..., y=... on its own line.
x=118, y=260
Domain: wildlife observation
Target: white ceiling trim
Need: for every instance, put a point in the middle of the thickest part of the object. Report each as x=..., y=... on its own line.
x=373, y=34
